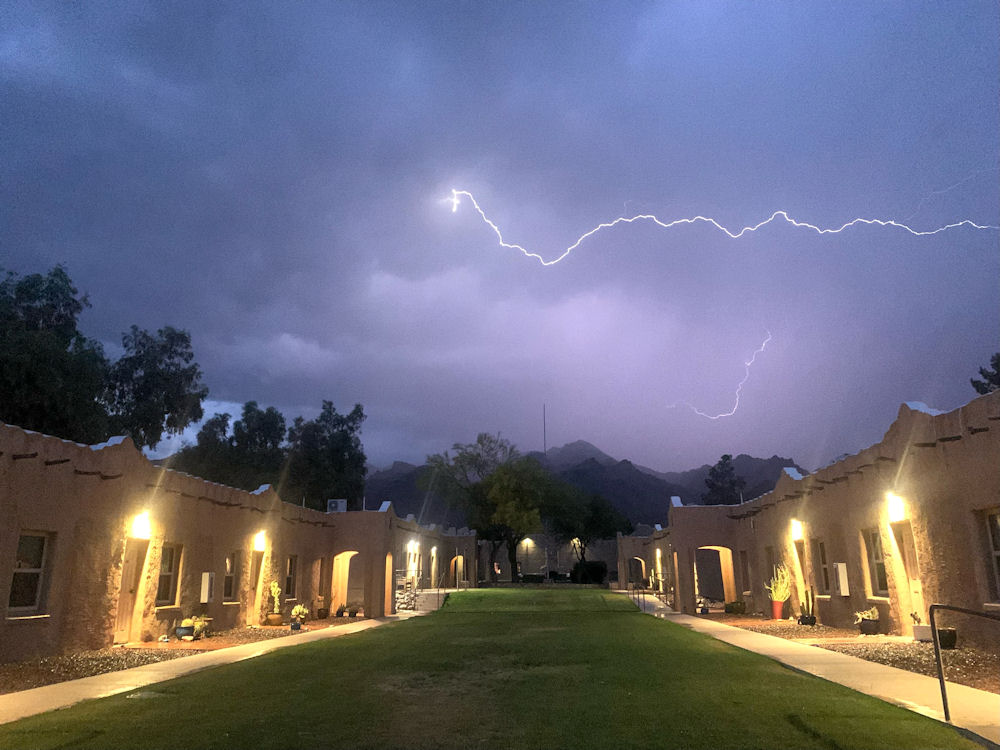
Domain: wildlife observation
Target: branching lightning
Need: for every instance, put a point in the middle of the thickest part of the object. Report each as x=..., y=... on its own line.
x=739, y=388
x=457, y=195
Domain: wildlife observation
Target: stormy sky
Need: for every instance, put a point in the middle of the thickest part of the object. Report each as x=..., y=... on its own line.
x=273, y=178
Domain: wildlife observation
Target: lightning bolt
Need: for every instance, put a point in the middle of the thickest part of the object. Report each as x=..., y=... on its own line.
x=739, y=388
x=457, y=195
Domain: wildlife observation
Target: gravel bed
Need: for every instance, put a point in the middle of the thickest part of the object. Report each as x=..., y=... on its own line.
x=966, y=666
x=38, y=672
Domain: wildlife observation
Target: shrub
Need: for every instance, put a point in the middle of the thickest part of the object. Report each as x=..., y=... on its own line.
x=738, y=607
x=589, y=571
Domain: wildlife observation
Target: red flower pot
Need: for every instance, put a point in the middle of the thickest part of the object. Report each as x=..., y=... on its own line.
x=776, y=610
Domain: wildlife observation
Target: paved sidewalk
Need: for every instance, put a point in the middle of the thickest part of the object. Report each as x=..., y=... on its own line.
x=15, y=706
x=975, y=710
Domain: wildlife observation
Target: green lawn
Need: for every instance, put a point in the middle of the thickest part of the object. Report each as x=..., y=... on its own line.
x=496, y=668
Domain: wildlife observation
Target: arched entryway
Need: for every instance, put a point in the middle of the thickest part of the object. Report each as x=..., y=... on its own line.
x=456, y=571
x=713, y=574
x=637, y=570
x=345, y=588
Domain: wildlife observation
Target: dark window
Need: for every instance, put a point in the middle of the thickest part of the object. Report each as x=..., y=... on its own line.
x=993, y=522
x=26, y=587
x=876, y=563
x=822, y=567
x=170, y=564
x=290, y=576
x=231, y=582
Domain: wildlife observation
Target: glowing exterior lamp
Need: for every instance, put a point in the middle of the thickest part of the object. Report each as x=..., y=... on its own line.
x=141, y=527
x=897, y=507
x=259, y=541
x=659, y=553
x=797, y=533
x=434, y=551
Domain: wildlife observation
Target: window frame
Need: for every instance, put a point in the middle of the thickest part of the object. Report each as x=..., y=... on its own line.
x=821, y=565
x=39, y=600
x=875, y=554
x=992, y=518
x=173, y=574
x=231, y=578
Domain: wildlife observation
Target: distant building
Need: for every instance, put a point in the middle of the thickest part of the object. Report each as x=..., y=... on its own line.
x=911, y=521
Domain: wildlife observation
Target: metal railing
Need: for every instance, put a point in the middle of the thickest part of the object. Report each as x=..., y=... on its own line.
x=937, y=644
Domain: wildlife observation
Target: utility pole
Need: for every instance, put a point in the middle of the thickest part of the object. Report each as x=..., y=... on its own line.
x=545, y=444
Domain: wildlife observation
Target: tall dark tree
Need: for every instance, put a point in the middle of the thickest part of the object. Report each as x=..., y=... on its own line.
x=252, y=455
x=50, y=374
x=990, y=378
x=518, y=490
x=56, y=380
x=155, y=387
x=724, y=487
x=326, y=459
x=581, y=519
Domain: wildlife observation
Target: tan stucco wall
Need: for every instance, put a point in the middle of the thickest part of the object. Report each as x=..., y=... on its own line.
x=85, y=499
x=945, y=467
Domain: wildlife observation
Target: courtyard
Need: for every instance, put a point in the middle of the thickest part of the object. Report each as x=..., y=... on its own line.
x=497, y=669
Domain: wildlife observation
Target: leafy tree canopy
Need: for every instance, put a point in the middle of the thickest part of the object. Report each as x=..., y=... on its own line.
x=55, y=380
x=990, y=377
x=724, y=487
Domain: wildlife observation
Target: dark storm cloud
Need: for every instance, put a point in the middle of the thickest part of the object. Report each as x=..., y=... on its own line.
x=270, y=177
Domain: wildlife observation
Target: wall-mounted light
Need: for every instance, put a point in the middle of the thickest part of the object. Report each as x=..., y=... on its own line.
x=797, y=532
x=259, y=541
x=897, y=507
x=141, y=527
x=659, y=553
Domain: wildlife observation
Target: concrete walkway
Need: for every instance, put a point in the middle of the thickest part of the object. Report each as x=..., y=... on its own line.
x=15, y=706
x=977, y=711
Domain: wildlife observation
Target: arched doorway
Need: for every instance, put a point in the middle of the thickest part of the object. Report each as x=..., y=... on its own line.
x=345, y=589
x=637, y=570
x=457, y=571
x=713, y=574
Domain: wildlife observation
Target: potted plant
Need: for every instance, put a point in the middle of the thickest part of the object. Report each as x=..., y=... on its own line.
x=185, y=631
x=780, y=588
x=867, y=621
x=299, y=612
x=737, y=607
x=806, y=614
x=340, y=610
x=947, y=637
x=352, y=610
x=322, y=612
x=202, y=625
x=274, y=617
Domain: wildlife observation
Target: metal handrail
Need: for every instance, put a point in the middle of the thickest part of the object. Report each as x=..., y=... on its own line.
x=937, y=645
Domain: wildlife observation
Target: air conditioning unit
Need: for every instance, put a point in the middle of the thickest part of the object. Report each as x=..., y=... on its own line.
x=207, y=587
x=840, y=585
x=336, y=506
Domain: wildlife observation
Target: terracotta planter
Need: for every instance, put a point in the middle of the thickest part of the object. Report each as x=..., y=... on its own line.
x=274, y=619
x=777, y=609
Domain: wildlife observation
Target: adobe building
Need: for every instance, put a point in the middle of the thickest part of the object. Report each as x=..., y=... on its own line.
x=911, y=521
x=99, y=546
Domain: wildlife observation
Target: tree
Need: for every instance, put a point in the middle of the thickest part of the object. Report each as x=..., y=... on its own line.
x=155, y=387
x=56, y=380
x=50, y=374
x=579, y=519
x=990, y=378
x=326, y=459
x=254, y=454
x=724, y=487
x=460, y=476
x=517, y=490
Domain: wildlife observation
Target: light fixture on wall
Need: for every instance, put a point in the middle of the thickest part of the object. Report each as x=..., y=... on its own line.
x=797, y=533
x=259, y=541
x=897, y=507
x=141, y=527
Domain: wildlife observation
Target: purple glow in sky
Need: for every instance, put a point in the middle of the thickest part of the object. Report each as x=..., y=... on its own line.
x=270, y=177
